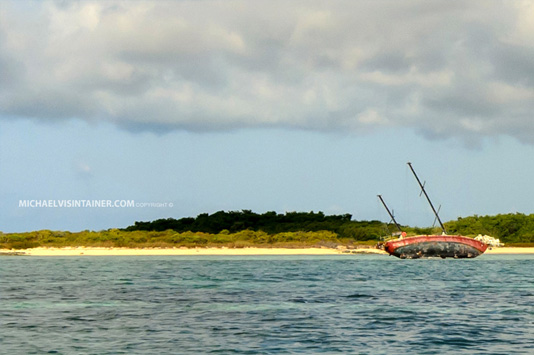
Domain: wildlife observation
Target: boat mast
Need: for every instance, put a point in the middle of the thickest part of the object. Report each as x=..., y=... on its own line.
x=428, y=198
x=390, y=214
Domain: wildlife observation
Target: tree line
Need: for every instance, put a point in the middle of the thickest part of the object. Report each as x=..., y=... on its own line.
x=168, y=239
x=269, y=222
x=245, y=228
x=509, y=228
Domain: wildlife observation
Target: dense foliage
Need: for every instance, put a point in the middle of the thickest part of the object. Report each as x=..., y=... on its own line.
x=245, y=228
x=270, y=223
x=509, y=228
x=168, y=239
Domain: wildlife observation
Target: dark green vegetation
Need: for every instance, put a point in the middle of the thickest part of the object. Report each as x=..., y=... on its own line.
x=509, y=228
x=167, y=239
x=270, y=223
x=229, y=229
x=245, y=228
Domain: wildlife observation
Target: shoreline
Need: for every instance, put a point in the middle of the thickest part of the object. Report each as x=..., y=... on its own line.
x=102, y=251
x=510, y=250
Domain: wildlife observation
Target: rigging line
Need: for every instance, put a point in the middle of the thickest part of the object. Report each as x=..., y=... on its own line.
x=390, y=213
x=428, y=198
x=435, y=219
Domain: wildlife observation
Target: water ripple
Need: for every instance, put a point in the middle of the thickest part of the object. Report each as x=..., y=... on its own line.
x=267, y=305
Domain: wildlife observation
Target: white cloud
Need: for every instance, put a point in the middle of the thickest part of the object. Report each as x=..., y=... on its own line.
x=371, y=117
x=445, y=68
x=82, y=169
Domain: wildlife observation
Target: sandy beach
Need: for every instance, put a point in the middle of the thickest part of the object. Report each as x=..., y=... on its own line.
x=171, y=251
x=510, y=250
x=76, y=251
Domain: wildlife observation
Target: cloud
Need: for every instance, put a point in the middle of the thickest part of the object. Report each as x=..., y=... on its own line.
x=82, y=170
x=460, y=69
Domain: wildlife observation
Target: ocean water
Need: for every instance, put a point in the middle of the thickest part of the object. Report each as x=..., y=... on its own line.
x=340, y=304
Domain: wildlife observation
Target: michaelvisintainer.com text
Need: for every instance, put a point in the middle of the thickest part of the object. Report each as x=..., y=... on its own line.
x=76, y=203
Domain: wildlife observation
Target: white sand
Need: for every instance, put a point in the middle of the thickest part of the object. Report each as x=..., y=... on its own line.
x=175, y=251
x=509, y=250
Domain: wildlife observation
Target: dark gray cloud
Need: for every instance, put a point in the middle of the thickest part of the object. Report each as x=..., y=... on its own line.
x=444, y=68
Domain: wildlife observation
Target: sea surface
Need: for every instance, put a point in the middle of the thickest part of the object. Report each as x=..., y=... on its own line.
x=339, y=304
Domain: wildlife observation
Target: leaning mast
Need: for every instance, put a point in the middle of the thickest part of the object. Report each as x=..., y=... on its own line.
x=390, y=214
x=428, y=198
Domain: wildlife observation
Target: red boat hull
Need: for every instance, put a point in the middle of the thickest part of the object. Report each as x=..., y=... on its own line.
x=443, y=246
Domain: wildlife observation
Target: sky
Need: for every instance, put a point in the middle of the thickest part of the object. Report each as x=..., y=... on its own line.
x=190, y=107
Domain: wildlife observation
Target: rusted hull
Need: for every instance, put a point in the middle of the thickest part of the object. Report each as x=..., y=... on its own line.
x=442, y=246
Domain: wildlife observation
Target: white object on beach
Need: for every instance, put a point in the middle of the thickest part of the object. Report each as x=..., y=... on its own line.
x=489, y=240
